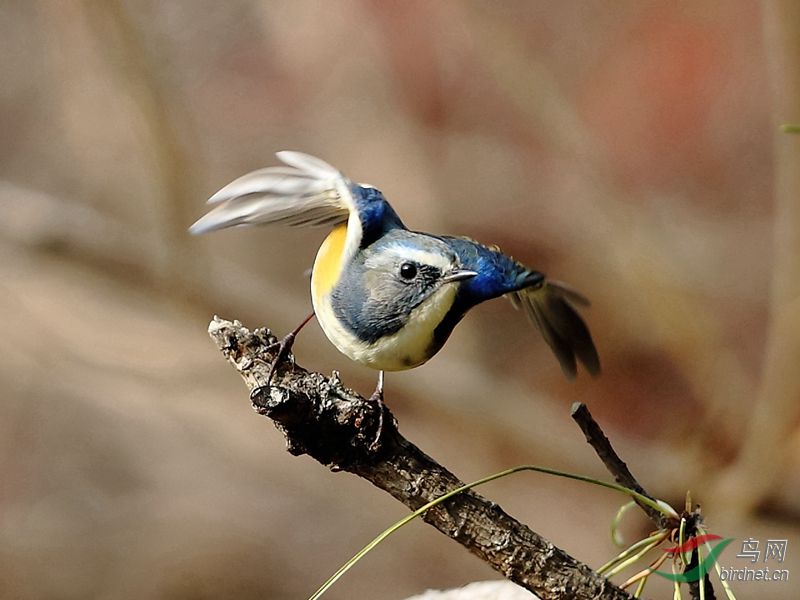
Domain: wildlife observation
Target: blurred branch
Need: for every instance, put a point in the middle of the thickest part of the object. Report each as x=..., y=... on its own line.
x=675, y=317
x=40, y=221
x=758, y=469
x=125, y=47
x=335, y=426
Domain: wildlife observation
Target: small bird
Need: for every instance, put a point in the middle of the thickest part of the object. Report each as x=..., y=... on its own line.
x=385, y=296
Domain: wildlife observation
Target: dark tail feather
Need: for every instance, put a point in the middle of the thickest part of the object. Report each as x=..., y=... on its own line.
x=550, y=308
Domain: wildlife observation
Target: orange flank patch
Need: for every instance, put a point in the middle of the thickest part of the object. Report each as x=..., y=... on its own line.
x=328, y=263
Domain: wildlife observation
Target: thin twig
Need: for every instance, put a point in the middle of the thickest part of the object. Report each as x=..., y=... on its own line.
x=622, y=475
x=615, y=465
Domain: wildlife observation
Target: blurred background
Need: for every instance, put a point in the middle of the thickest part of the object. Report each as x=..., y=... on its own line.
x=631, y=149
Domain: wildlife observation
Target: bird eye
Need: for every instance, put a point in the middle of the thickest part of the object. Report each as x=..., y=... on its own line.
x=408, y=271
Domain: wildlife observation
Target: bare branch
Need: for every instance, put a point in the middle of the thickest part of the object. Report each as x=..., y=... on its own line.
x=321, y=418
x=615, y=465
x=623, y=476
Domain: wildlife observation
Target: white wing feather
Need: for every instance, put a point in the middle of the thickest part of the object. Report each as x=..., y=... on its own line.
x=308, y=191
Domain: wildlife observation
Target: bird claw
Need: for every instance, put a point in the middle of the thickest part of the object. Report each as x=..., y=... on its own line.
x=257, y=391
x=284, y=348
x=377, y=397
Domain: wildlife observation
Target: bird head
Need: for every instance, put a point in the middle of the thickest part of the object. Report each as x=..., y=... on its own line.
x=404, y=277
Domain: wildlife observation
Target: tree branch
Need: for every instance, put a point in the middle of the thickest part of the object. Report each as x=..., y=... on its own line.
x=615, y=465
x=321, y=418
x=623, y=476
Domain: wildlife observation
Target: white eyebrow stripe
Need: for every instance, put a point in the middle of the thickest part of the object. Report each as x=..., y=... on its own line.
x=423, y=257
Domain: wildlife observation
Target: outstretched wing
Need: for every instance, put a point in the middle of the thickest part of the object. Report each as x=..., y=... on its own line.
x=550, y=308
x=307, y=191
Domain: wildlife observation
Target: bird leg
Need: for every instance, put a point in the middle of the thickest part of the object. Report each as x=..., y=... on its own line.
x=377, y=396
x=285, y=346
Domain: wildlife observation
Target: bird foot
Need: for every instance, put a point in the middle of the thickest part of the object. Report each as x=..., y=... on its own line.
x=284, y=348
x=383, y=415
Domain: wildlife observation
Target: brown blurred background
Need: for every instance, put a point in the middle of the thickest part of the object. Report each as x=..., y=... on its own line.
x=629, y=148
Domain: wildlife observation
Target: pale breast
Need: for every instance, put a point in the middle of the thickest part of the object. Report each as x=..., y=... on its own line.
x=407, y=348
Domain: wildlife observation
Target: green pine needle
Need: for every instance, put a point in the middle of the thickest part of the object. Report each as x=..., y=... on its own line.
x=660, y=507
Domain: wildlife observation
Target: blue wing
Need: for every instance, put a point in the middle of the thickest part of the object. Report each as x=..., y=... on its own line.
x=306, y=191
x=551, y=307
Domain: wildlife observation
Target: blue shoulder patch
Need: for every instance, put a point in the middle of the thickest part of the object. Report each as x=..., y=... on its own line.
x=375, y=213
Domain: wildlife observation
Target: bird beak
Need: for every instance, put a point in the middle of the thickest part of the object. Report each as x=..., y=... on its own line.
x=458, y=275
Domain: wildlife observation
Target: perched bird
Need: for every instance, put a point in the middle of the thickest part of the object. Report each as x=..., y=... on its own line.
x=385, y=296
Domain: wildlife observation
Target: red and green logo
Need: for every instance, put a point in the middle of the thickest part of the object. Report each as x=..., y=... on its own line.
x=703, y=566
